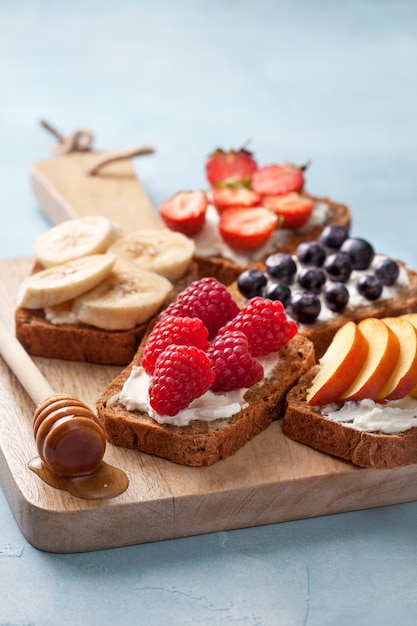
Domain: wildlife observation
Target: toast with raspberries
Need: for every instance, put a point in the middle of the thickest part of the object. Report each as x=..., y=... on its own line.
x=208, y=376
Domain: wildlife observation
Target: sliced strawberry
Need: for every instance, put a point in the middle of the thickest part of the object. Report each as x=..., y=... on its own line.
x=291, y=207
x=274, y=180
x=247, y=228
x=226, y=197
x=230, y=167
x=185, y=212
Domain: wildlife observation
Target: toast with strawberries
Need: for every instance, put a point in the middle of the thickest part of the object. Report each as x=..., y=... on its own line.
x=248, y=213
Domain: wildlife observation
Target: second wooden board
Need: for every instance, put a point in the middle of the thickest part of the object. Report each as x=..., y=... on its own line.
x=64, y=190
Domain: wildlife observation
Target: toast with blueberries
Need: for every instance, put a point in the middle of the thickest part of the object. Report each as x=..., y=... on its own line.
x=330, y=281
x=208, y=376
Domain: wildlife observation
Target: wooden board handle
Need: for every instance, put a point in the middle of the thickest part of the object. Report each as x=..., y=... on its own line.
x=117, y=155
x=23, y=367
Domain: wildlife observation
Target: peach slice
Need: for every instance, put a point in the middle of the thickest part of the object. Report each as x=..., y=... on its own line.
x=383, y=354
x=339, y=365
x=404, y=376
x=411, y=317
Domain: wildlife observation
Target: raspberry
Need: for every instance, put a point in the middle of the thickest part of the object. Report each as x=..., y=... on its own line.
x=233, y=364
x=265, y=325
x=181, y=374
x=187, y=331
x=208, y=300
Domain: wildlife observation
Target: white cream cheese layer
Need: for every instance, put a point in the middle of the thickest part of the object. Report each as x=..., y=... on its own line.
x=210, y=243
x=369, y=416
x=211, y=406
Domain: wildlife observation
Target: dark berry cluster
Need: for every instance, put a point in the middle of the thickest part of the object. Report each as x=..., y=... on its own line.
x=319, y=275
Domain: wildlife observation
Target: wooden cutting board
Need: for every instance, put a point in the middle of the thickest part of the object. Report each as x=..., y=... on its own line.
x=64, y=190
x=271, y=479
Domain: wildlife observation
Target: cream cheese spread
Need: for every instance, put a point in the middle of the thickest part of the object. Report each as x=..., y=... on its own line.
x=61, y=314
x=211, y=406
x=210, y=243
x=369, y=416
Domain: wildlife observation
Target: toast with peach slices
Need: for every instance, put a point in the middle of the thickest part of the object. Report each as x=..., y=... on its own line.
x=359, y=402
x=207, y=377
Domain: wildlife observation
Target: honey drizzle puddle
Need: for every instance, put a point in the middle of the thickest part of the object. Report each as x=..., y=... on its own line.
x=104, y=483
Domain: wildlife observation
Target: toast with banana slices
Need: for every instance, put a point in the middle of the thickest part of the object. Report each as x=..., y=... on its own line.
x=93, y=290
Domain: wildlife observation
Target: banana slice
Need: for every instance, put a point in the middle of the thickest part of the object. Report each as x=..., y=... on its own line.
x=158, y=250
x=128, y=297
x=75, y=238
x=64, y=282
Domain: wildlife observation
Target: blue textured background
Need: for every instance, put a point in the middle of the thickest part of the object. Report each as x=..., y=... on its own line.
x=331, y=82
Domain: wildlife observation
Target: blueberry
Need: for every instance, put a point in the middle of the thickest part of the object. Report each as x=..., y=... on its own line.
x=338, y=267
x=304, y=307
x=311, y=253
x=360, y=252
x=333, y=236
x=312, y=279
x=251, y=283
x=387, y=270
x=369, y=286
x=336, y=296
x=281, y=266
x=278, y=291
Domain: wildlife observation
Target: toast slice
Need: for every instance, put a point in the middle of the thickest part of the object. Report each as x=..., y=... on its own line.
x=84, y=342
x=203, y=443
x=227, y=271
x=309, y=426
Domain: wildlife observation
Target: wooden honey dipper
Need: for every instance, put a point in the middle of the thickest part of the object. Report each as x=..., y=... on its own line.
x=70, y=443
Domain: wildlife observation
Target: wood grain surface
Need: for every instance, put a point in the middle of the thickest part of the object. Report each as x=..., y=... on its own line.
x=64, y=190
x=271, y=479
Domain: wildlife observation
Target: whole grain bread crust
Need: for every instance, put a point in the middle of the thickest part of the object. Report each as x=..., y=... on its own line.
x=203, y=443
x=377, y=450
x=75, y=342
x=227, y=272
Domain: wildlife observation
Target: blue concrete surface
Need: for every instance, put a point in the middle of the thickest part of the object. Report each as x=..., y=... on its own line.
x=331, y=82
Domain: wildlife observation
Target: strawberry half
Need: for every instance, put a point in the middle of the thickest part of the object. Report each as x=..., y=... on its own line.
x=247, y=228
x=185, y=212
x=274, y=180
x=230, y=167
x=292, y=208
x=226, y=197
